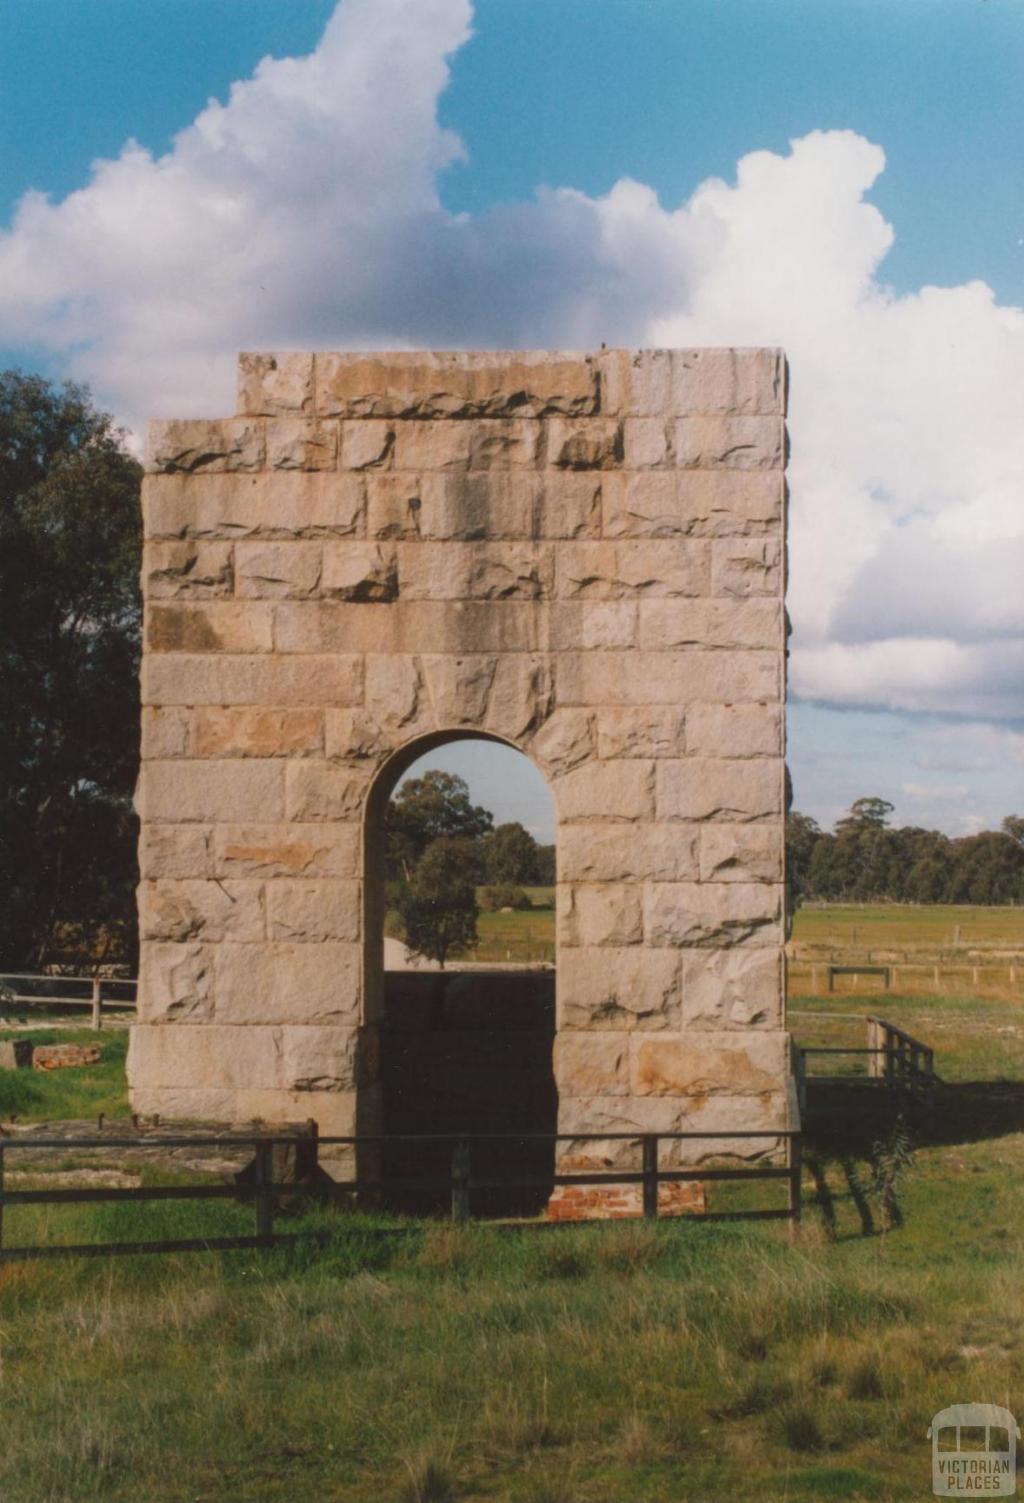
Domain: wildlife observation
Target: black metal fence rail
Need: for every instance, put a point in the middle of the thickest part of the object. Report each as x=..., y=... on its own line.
x=459, y=1182
x=894, y=1058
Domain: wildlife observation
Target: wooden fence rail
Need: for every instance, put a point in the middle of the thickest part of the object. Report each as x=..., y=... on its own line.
x=93, y=999
x=459, y=1183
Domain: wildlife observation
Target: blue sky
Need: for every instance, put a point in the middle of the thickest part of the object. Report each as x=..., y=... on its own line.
x=433, y=203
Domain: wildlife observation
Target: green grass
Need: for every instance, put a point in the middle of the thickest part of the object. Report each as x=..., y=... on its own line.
x=82, y=1091
x=907, y=926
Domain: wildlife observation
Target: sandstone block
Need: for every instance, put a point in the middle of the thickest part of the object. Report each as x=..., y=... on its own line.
x=735, y=730
x=321, y=790
x=184, y=791
x=280, y=504
x=614, y=571
x=475, y=571
x=654, y=382
x=354, y=735
x=521, y=696
x=298, y=444
x=272, y=384
x=460, y=687
x=207, y=910
x=728, y=623
x=692, y=503
x=175, y=444
x=477, y=383
x=725, y=1064
x=175, y=851
x=247, y=732
x=567, y=738
x=741, y=853
x=737, y=443
x=213, y=626
x=584, y=443
x=182, y=678
x=360, y=572
x=633, y=731
x=569, y=506
x=367, y=444
x=277, y=571
x=464, y=507
x=187, y=570
x=741, y=988
x=592, y=1064
x=509, y=443
x=675, y=678
x=288, y=983
x=600, y=913
x=712, y=913
x=397, y=702
x=253, y=1058
x=175, y=983
x=646, y=443
x=746, y=566
x=699, y=788
x=612, y=791
x=285, y=850
x=166, y=733
x=651, y=853
x=311, y=910
x=602, y=988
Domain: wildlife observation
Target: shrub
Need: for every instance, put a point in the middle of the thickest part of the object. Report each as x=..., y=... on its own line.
x=504, y=895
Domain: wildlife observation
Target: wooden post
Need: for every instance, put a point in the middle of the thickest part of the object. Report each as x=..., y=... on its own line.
x=1, y=1188
x=814, y=979
x=800, y=1076
x=935, y=977
x=97, y=1003
x=460, y=1181
x=794, y=1163
x=264, y=1195
x=650, y=1168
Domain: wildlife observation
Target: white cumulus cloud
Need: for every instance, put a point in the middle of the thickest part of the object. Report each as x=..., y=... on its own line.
x=304, y=212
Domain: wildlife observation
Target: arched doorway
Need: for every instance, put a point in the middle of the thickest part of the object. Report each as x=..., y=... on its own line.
x=463, y=1046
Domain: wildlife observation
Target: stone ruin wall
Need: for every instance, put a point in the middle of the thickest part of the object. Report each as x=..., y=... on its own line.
x=581, y=555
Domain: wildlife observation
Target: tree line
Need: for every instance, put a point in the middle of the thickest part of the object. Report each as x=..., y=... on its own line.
x=865, y=860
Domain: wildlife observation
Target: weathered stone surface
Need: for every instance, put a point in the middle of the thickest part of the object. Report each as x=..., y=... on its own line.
x=174, y=850
x=653, y=853
x=632, y=731
x=360, y=572
x=600, y=913
x=285, y=850
x=698, y=788
x=467, y=507
x=521, y=696
x=691, y=503
x=741, y=853
x=215, y=626
x=592, y=1064
x=460, y=687
x=166, y=733
x=278, y=504
x=712, y=913
x=477, y=383
x=606, y=791
x=565, y=740
x=294, y=444
x=273, y=384
x=210, y=910
x=672, y=678
x=484, y=445
x=711, y=623
x=409, y=627
x=311, y=911
x=475, y=571
x=397, y=702
x=712, y=1064
x=277, y=571
x=210, y=791
x=177, y=445
x=367, y=445
x=675, y=382
x=322, y=790
x=221, y=732
x=584, y=444
x=736, y=988
x=187, y=570
x=176, y=982
x=734, y=730
x=746, y=566
x=256, y=1057
x=183, y=678
x=739, y=443
x=576, y=624
x=616, y=571
x=288, y=983
x=635, y=987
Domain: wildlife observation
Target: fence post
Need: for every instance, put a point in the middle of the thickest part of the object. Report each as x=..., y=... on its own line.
x=1, y=1188
x=460, y=1180
x=97, y=1003
x=264, y=1194
x=650, y=1168
x=795, y=1165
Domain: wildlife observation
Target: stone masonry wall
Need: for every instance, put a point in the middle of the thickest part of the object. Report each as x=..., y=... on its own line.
x=580, y=555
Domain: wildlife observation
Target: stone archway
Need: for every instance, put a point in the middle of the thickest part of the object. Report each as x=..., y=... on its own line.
x=582, y=555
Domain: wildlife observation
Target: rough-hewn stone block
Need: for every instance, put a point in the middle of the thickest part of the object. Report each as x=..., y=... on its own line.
x=310, y=911
x=277, y=571
x=675, y=678
x=614, y=571
x=246, y=732
x=653, y=853
x=273, y=384
x=325, y=849
x=288, y=983
x=295, y=444
x=205, y=791
x=360, y=572
x=606, y=791
x=722, y=1064
x=174, y=850
x=175, y=444
x=711, y=623
x=741, y=853
x=692, y=503
x=748, y=566
x=737, y=988
x=475, y=571
x=631, y=731
x=175, y=982
x=187, y=570
x=367, y=445
x=592, y=1064
x=182, y=679
x=567, y=738
x=500, y=444
x=600, y=913
x=635, y=987
x=322, y=790
x=712, y=913
x=737, y=443
x=166, y=732
x=477, y=383
x=279, y=504
x=583, y=443
x=210, y=910
x=675, y=382
x=699, y=788
x=734, y=730
x=213, y=626
x=253, y=1058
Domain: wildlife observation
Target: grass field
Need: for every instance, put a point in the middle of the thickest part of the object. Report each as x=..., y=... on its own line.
x=928, y=927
